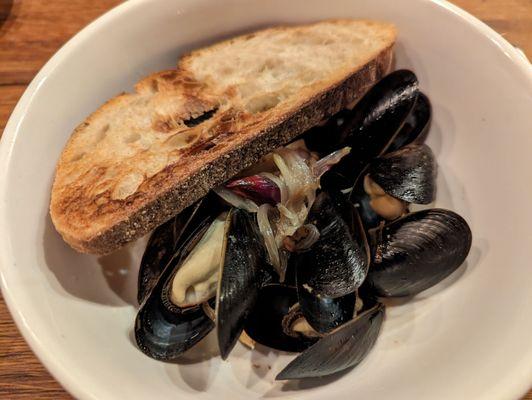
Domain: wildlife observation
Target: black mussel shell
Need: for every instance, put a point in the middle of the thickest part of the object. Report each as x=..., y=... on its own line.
x=166, y=240
x=290, y=274
x=366, y=297
x=164, y=335
x=334, y=182
x=329, y=137
x=417, y=251
x=342, y=348
x=416, y=126
x=326, y=313
x=164, y=331
x=337, y=263
x=374, y=122
x=241, y=277
x=408, y=174
x=265, y=322
x=159, y=250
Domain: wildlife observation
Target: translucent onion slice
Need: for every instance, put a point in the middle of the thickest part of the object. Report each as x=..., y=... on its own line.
x=235, y=200
x=266, y=230
x=280, y=183
x=325, y=163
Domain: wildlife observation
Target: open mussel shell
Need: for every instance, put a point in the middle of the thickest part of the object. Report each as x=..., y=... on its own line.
x=166, y=240
x=159, y=250
x=337, y=263
x=265, y=322
x=366, y=298
x=330, y=136
x=407, y=174
x=361, y=200
x=165, y=335
x=416, y=125
x=417, y=251
x=240, y=278
x=340, y=349
x=162, y=330
x=335, y=182
x=374, y=122
x=168, y=335
x=326, y=313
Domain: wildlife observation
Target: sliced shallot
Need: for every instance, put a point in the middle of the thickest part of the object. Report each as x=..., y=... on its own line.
x=235, y=200
x=324, y=164
x=266, y=230
x=258, y=188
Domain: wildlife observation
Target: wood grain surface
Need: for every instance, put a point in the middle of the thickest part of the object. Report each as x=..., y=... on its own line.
x=30, y=32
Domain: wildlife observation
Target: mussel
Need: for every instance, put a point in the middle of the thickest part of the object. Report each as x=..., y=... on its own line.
x=370, y=127
x=417, y=251
x=163, y=330
x=362, y=201
x=391, y=182
x=218, y=266
x=328, y=274
x=325, y=313
x=290, y=275
x=159, y=250
x=242, y=274
x=338, y=262
x=416, y=125
x=270, y=322
x=196, y=278
x=342, y=348
x=408, y=174
x=166, y=240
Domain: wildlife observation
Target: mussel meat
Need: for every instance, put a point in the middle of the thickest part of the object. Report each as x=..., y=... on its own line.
x=196, y=279
x=162, y=246
x=361, y=199
x=165, y=241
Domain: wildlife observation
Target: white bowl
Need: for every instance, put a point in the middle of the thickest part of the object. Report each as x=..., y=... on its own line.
x=470, y=339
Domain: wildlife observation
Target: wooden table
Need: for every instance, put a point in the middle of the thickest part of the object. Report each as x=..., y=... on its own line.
x=30, y=32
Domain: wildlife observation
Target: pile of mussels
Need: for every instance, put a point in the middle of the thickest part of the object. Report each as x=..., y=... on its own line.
x=368, y=246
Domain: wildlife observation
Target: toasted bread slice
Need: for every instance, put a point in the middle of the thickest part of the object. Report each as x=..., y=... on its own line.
x=143, y=157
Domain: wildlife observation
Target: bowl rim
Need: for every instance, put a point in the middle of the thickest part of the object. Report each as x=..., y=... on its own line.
x=521, y=382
